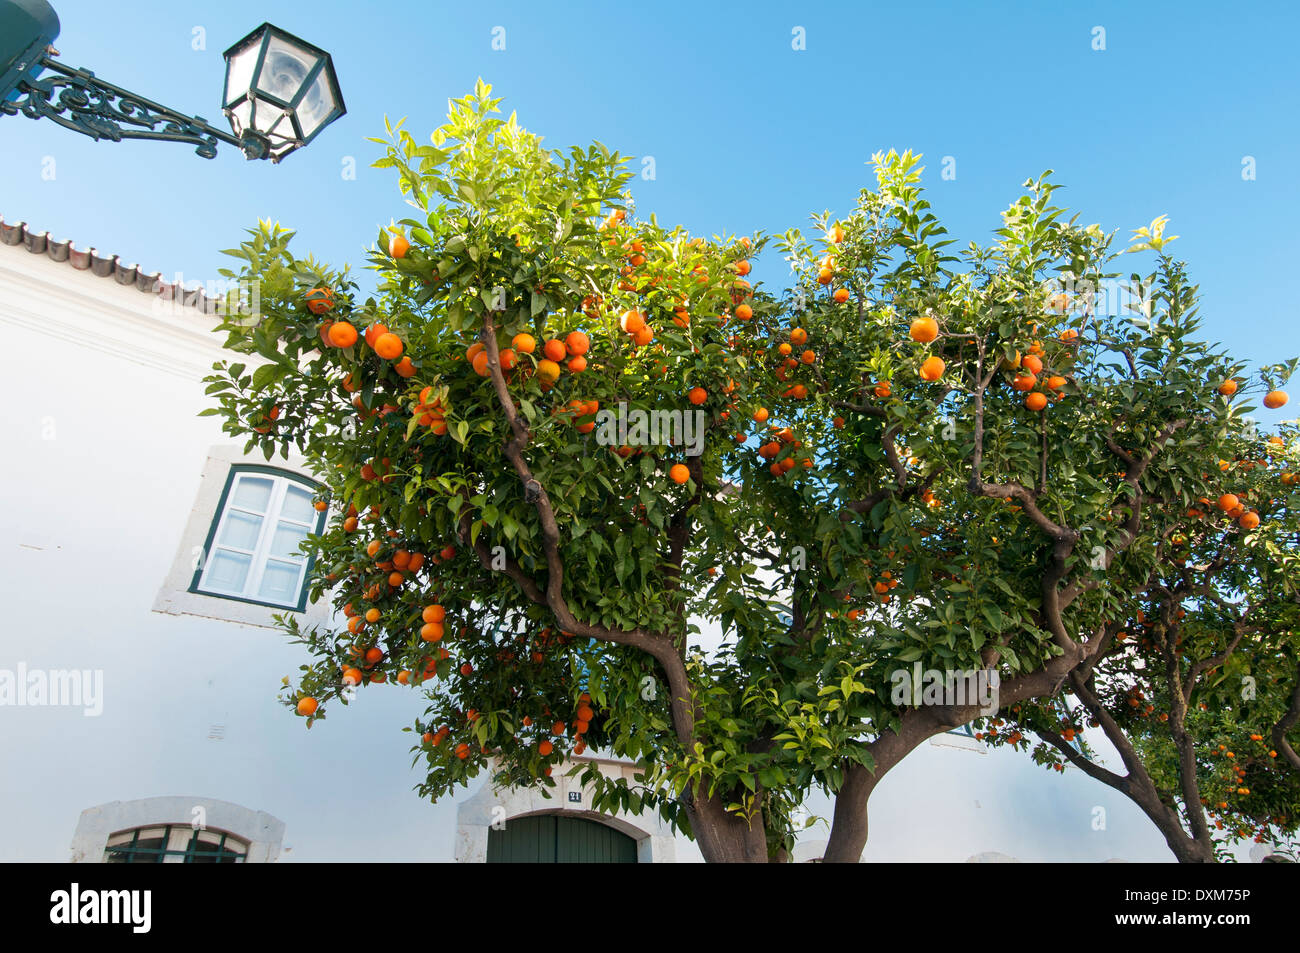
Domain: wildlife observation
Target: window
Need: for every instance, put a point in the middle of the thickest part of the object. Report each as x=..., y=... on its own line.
x=252, y=553
x=174, y=844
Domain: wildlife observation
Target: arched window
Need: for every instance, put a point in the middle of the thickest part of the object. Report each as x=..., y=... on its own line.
x=252, y=549
x=174, y=844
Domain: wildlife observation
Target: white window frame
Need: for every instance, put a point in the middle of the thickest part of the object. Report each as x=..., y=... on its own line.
x=260, y=555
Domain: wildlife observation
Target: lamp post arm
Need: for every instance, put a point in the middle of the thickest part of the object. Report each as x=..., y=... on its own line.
x=79, y=100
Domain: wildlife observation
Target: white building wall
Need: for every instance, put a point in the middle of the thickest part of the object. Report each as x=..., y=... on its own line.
x=103, y=459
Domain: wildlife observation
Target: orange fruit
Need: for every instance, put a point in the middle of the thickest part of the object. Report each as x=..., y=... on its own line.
x=760, y=415
x=433, y=613
x=1036, y=401
x=643, y=337
x=545, y=748
x=1228, y=502
x=577, y=343
x=1056, y=382
x=744, y=312
x=1228, y=388
x=841, y=295
x=577, y=364
x=388, y=346
x=307, y=706
x=404, y=368
x=319, y=300
x=554, y=350
x=398, y=246
x=808, y=357
x=836, y=234
x=548, y=371
x=932, y=368
x=697, y=395
x=1032, y=364
x=481, y=364
x=798, y=336
x=632, y=321
x=924, y=329
x=742, y=267
x=824, y=276
x=524, y=343
x=1024, y=382
x=1248, y=520
x=508, y=359
x=1275, y=399
x=474, y=350
x=343, y=334
x=679, y=473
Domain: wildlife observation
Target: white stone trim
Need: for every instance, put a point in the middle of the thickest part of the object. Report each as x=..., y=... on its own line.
x=174, y=598
x=655, y=841
x=263, y=833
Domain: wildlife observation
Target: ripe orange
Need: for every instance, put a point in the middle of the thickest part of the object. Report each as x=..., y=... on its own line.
x=433, y=613
x=1228, y=388
x=1228, y=502
x=372, y=615
x=632, y=321
x=742, y=267
x=462, y=751
x=548, y=371
x=1024, y=382
x=808, y=357
x=882, y=390
x=404, y=368
x=343, y=334
x=679, y=473
x=1056, y=382
x=307, y=706
x=1248, y=520
x=1033, y=364
x=320, y=300
x=388, y=346
x=554, y=350
x=374, y=653
x=524, y=343
x=932, y=368
x=398, y=246
x=824, y=276
x=508, y=359
x=836, y=234
x=577, y=364
x=697, y=395
x=760, y=415
x=577, y=343
x=1275, y=399
x=798, y=336
x=744, y=312
x=924, y=329
x=481, y=364
x=841, y=295
x=545, y=748
x=1036, y=401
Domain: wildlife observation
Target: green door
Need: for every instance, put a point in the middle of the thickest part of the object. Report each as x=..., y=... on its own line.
x=556, y=839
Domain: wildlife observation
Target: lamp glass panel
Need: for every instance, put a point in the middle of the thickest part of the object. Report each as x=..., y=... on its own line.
x=239, y=71
x=285, y=68
x=317, y=105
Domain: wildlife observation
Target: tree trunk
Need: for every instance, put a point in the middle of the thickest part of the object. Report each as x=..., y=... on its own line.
x=849, y=822
x=726, y=838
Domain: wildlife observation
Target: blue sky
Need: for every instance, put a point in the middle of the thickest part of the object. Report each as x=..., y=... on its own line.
x=747, y=134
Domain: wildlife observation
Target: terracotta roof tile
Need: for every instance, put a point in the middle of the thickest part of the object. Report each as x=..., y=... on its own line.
x=89, y=259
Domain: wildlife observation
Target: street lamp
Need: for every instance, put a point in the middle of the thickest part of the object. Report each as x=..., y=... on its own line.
x=280, y=91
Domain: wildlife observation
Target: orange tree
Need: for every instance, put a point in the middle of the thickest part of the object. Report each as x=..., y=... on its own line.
x=907, y=458
x=1197, y=682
